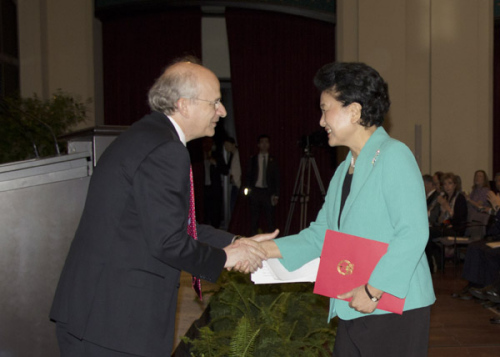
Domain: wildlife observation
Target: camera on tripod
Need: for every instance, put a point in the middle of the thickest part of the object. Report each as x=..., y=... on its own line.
x=317, y=138
x=307, y=168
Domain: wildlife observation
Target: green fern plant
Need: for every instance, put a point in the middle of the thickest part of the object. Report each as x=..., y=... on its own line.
x=264, y=320
x=243, y=340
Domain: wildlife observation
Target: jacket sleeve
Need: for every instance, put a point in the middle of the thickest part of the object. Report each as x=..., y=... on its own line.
x=404, y=197
x=161, y=192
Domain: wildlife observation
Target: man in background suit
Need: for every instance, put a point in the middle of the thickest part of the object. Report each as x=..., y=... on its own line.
x=263, y=181
x=430, y=190
x=214, y=167
x=431, y=194
x=117, y=293
x=233, y=162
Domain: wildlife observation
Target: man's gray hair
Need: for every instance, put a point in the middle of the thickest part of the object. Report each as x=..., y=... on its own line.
x=171, y=86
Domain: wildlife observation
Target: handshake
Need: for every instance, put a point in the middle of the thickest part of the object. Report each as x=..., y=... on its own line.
x=246, y=254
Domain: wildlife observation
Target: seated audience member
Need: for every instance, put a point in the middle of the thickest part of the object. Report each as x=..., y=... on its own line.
x=496, y=183
x=452, y=210
x=430, y=191
x=479, y=269
x=482, y=263
x=437, y=179
x=449, y=218
x=432, y=211
x=458, y=181
x=496, y=190
x=477, y=200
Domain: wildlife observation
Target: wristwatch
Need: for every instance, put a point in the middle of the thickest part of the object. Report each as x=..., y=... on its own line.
x=372, y=298
x=235, y=238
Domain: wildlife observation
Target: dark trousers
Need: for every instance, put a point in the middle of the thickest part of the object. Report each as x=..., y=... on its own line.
x=482, y=264
x=71, y=346
x=389, y=335
x=260, y=203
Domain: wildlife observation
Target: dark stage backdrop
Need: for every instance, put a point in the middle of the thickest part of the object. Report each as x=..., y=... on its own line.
x=136, y=48
x=274, y=58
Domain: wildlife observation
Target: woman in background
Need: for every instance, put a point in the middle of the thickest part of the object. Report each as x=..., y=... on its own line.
x=478, y=204
x=452, y=206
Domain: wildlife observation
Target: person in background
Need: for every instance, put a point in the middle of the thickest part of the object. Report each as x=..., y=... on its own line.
x=263, y=182
x=449, y=218
x=432, y=212
x=478, y=198
x=117, y=293
x=481, y=267
x=214, y=167
x=437, y=179
x=452, y=208
x=430, y=192
x=233, y=162
x=366, y=198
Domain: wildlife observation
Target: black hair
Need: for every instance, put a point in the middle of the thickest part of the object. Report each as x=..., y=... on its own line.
x=262, y=136
x=354, y=82
x=427, y=178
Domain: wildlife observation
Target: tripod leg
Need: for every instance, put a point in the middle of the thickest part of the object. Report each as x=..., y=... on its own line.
x=318, y=177
x=295, y=194
x=311, y=163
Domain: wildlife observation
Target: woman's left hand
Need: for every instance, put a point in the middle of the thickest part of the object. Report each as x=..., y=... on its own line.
x=360, y=300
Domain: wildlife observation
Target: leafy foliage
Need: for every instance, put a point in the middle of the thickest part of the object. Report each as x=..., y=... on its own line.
x=29, y=127
x=265, y=320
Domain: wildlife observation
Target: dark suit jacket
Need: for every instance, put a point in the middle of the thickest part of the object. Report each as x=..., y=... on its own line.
x=120, y=281
x=272, y=177
x=432, y=198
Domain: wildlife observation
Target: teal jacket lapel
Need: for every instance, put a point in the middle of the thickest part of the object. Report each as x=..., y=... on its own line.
x=365, y=163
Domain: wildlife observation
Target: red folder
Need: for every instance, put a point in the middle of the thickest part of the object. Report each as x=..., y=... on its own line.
x=347, y=262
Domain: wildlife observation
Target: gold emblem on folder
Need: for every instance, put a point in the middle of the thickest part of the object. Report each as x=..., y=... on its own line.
x=345, y=267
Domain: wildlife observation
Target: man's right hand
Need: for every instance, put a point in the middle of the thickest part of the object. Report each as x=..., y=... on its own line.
x=247, y=257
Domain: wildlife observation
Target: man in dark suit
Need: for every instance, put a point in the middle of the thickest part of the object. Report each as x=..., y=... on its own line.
x=430, y=192
x=214, y=167
x=117, y=292
x=263, y=181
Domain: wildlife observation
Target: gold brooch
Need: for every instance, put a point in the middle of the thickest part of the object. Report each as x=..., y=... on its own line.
x=345, y=267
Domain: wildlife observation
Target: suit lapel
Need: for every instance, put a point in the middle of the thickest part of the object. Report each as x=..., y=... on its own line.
x=364, y=166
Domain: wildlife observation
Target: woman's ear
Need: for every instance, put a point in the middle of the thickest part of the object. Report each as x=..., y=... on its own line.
x=355, y=110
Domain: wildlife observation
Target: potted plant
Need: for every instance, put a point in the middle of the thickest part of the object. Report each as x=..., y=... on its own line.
x=264, y=320
x=29, y=127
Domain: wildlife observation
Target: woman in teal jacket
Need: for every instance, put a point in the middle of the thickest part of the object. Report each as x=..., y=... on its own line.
x=376, y=193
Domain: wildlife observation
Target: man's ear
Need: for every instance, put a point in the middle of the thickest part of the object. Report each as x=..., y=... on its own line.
x=355, y=110
x=183, y=106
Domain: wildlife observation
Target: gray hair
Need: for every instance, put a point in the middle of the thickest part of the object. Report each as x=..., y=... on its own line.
x=170, y=87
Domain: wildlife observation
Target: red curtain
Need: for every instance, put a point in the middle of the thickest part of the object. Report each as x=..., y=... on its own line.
x=274, y=58
x=136, y=48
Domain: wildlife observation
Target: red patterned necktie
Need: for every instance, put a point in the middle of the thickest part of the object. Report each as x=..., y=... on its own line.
x=192, y=229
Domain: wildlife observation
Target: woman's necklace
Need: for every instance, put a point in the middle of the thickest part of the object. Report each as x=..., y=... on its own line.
x=352, y=162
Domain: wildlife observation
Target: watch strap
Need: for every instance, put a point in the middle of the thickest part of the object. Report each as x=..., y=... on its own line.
x=372, y=298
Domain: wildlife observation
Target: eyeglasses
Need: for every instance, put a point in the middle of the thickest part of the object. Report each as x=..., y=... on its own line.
x=215, y=103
